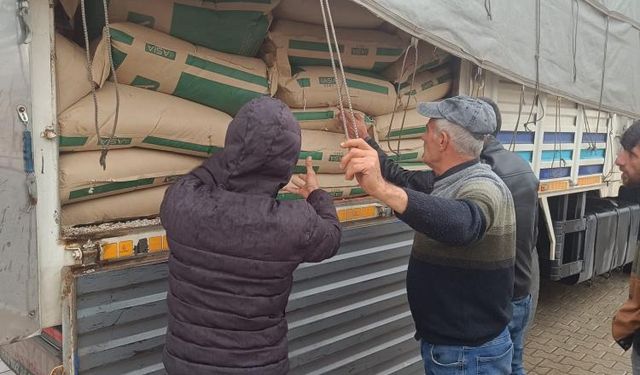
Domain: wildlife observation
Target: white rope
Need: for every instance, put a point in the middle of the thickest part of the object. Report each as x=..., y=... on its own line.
x=414, y=45
x=328, y=25
x=104, y=144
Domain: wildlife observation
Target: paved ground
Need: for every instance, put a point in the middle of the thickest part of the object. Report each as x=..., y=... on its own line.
x=572, y=330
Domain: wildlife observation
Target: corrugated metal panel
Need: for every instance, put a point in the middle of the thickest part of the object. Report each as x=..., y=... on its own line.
x=348, y=314
x=117, y=321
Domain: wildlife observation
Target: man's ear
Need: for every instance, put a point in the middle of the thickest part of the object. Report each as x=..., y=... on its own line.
x=445, y=140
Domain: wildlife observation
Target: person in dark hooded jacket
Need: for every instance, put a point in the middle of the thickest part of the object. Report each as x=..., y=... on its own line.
x=234, y=247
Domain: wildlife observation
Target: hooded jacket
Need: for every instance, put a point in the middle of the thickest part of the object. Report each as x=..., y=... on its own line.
x=234, y=248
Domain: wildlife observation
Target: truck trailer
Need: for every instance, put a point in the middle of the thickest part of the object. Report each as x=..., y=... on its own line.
x=89, y=298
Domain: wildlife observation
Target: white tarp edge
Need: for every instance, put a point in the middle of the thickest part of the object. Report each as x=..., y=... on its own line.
x=572, y=40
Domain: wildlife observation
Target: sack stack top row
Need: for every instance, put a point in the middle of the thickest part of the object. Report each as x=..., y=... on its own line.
x=183, y=68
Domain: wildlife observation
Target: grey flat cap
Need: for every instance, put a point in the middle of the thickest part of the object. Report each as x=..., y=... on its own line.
x=472, y=114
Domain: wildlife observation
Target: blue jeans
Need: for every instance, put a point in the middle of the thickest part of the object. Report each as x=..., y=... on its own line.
x=635, y=361
x=517, y=329
x=490, y=358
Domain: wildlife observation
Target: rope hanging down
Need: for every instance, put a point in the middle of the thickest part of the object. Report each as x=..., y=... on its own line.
x=414, y=45
x=104, y=142
x=327, y=18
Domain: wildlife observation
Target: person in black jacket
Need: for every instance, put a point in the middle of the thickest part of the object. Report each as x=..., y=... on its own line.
x=234, y=247
x=523, y=185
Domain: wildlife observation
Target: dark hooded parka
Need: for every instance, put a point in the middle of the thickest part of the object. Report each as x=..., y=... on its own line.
x=234, y=248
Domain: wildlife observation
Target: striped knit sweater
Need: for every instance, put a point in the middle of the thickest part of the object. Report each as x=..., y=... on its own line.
x=461, y=271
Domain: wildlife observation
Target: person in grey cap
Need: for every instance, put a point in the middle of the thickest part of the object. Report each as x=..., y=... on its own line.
x=461, y=270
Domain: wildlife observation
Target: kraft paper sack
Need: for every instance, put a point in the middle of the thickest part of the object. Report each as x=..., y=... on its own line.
x=428, y=87
x=237, y=27
x=324, y=149
x=410, y=150
x=147, y=119
x=414, y=125
x=82, y=177
x=133, y=205
x=429, y=58
x=345, y=13
x=72, y=80
x=335, y=185
x=313, y=87
x=153, y=60
x=325, y=119
x=294, y=44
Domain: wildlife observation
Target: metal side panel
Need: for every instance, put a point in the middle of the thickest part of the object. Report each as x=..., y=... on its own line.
x=114, y=319
x=348, y=314
x=18, y=248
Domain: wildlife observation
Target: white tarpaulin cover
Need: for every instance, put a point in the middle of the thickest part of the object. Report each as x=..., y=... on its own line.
x=502, y=36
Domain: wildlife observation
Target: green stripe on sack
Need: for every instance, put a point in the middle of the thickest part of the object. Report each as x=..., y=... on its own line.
x=170, y=143
x=301, y=169
x=380, y=66
x=357, y=191
x=227, y=71
x=145, y=83
x=409, y=131
x=352, y=83
x=72, y=141
x=288, y=197
x=313, y=46
x=389, y=51
x=315, y=155
x=118, y=57
x=239, y=32
x=313, y=116
x=141, y=19
x=367, y=86
x=121, y=36
x=308, y=61
x=304, y=82
x=108, y=188
x=226, y=98
x=409, y=156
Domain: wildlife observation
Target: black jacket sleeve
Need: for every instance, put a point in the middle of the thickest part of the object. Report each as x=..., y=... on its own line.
x=394, y=173
x=452, y=222
x=326, y=232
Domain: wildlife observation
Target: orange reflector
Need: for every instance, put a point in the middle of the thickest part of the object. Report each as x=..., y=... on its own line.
x=125, y=249
x=155, y=244
x=591, y=180
x=554, y=186
x=357, y=213
x=109, y=251
x=165, y=243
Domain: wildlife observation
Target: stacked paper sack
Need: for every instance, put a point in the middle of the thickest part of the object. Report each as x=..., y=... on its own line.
x=185, y=67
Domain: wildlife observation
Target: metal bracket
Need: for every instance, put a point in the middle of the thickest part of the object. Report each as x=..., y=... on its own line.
x=84, y=254
x=23, y=14
x=49, y=133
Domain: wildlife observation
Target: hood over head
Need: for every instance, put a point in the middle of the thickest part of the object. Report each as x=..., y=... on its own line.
x=261, y=149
